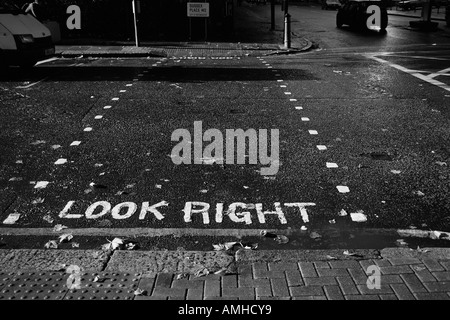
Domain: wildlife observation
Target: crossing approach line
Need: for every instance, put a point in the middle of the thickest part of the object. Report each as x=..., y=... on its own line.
x=414, y=73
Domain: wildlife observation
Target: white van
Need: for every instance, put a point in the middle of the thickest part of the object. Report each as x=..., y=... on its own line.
x=23, y=39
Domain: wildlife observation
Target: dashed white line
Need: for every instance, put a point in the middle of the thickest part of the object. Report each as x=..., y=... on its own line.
x=61, y=161
x=343, y=189
x=321, y=147
x=332, y=165
x=115, y=99
x=299, y=108
x=75, y=143
x=98, y=117
x=305, y=119
x=313, y=132
x=88, y=129
x=107, y=107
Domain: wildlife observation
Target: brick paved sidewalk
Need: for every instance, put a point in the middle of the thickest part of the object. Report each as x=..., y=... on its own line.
x=403, y=278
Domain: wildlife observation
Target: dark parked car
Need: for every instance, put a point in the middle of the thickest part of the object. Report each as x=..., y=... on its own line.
x=410, y=4
x=354, y=14
x=330, y=4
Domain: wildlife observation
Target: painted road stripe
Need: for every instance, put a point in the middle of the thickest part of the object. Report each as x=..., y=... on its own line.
x=343, y=189
x=313, y=132
x=115, y=99
x=358, y=217
x=12, y=218
x=305, y=119
x=75, y=143
x=98, y=117
x=88, y=129
x=413, y=73
x=299, y=108
x=332, y=165
x=320, y=147
x=287, y=93
x=32, y=84
x=46, y=61
x=129, y=85
x=280, y=80
x=283, y=86
x=123, y=91
x=107, y=107
x=61, y=161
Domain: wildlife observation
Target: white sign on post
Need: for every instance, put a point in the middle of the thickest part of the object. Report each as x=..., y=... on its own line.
x=198, y=9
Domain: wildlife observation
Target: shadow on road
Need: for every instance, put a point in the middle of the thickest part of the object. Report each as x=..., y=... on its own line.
x=175, y=74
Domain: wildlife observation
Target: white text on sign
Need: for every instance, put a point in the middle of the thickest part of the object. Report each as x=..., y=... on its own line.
x=237, y=212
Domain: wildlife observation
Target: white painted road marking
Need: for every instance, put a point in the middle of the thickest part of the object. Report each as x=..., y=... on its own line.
x=343, y=189
x=414, y=73
x=32, y=84
x=237, y=212
x=61, y=161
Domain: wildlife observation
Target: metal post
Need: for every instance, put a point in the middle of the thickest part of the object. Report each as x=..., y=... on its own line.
x=272, y=14
x=287, y=30
x=135, y=23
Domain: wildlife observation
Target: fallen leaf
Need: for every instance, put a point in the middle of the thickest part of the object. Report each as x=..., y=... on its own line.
x=419, y=193
x=75, y=245
x=422, y=250
x=52, y=244
x=280, y=239
x=342, y=213
x=65, y=237
x=181, y=276
x=113, y=245
x=139, y=292
x=131, y=246
x=201, y=272
x=224, y=246
x=222, y=271
x=315, y=235
x=59, y=227
x=38, y=201
x=441, y=163
x=303, y=228
x=351, y=254
x=333, y=221
x=48, y=218
x=331, y=258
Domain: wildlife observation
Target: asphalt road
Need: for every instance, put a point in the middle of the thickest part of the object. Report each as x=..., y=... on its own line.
x=363, y=142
